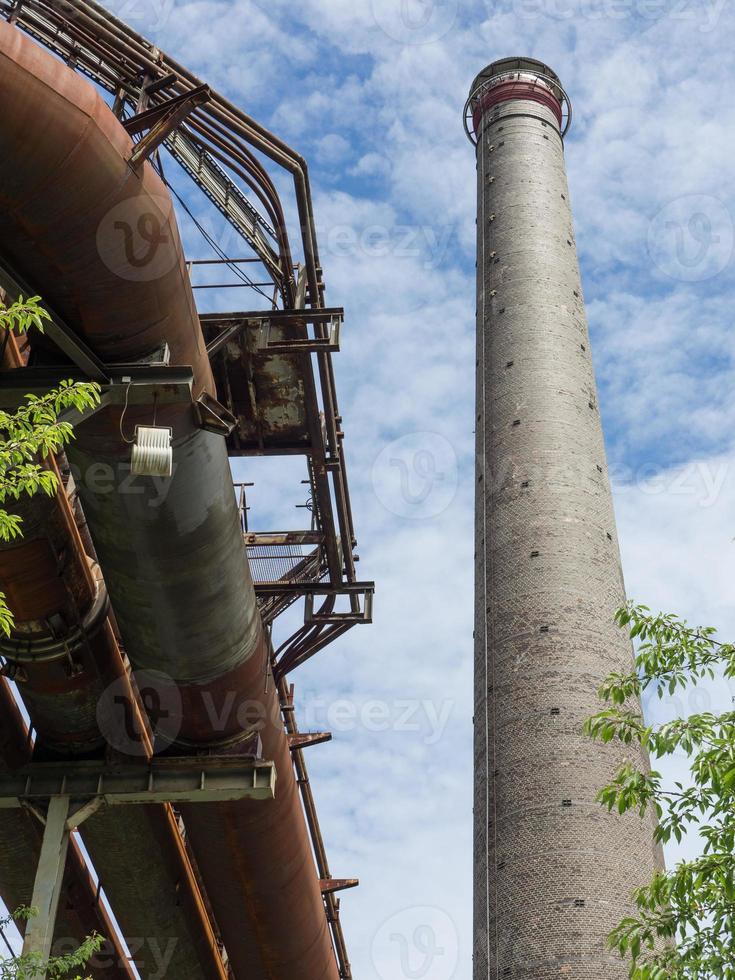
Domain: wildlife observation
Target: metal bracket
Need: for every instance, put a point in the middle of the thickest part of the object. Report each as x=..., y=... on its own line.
x=264, y=320
x=303, y=740
x=213, y=416
x=277, y=538
x=329, y=885
x=308, y=345
x=162, y=120
x=356, y=614
x=281, y=586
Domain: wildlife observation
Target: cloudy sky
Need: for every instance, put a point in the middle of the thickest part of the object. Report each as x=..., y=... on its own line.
x=371, y=92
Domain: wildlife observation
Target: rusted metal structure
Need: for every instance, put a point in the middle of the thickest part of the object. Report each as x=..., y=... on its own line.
x=144, y=618
x=554, y=873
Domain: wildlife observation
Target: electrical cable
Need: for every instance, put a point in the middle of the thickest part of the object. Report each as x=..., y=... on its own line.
x=245, y=279
x=122, y=416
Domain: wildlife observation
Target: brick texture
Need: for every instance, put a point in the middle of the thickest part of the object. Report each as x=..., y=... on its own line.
x=553, y=870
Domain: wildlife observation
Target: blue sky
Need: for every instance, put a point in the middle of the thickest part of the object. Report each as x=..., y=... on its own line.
x=371, y=92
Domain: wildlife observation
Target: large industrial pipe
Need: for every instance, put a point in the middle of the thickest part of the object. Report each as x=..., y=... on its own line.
x=553, y=871
x=100, y=240
x=69, y=670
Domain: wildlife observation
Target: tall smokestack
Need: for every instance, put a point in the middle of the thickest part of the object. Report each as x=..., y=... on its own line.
x=553, y=870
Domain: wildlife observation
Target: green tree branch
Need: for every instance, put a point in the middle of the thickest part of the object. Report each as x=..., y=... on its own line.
x=31, y=434
x=684, y=926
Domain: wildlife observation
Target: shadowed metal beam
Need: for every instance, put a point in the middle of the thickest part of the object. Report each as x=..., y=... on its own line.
x=172, y=780
x=55, y=328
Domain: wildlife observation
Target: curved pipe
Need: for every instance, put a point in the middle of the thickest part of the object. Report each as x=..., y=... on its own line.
x=272, y=146
x=172, y=554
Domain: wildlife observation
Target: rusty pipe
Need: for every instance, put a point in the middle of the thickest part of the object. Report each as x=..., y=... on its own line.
x=134, y=46
x=63, y=706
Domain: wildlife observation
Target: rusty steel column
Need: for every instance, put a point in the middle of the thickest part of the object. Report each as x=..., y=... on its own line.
x=553, y=870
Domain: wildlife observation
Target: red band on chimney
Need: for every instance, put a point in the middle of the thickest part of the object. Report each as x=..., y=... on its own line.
x=513, y=90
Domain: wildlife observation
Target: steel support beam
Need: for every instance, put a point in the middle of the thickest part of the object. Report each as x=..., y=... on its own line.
x=163, y=120
x=314, y=588
x=55, y=328
x=47, y=886
x=74, y=791
x=303, y=740
x=213, y=779
x=331, y=885
x=150, y=118
x=263, y=539
x=263, y=320
x=136, y=384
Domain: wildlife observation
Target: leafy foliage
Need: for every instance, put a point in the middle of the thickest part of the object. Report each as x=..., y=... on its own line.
x=684, y=924
x=29, y=966
x=30, y=434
